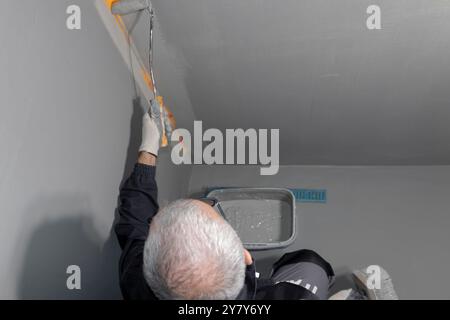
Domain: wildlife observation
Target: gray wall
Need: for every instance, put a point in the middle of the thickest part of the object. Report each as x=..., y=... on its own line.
x=70, y=127
x=397, y=217
x=338, y=92
x=69, y=133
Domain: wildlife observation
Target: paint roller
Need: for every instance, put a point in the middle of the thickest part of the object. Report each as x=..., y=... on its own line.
x=159, y=111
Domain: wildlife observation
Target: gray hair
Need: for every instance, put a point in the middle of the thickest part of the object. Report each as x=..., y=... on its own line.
x=191, y=255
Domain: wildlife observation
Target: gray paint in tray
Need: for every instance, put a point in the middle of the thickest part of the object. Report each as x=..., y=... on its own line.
x=262, y=217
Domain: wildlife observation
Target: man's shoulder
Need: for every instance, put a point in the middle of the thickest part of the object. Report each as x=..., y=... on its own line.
x=132, y=280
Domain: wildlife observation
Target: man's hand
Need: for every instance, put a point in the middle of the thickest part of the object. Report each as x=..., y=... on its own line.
x=148, y=151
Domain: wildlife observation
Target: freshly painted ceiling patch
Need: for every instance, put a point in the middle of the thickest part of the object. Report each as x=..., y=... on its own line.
x=310, y=195
x=125, y=44
x=143, y=76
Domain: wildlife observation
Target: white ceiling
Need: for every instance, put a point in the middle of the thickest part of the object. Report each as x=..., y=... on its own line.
x=339, y=93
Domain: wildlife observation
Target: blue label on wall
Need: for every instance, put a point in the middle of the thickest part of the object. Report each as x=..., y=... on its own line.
x=310, y=195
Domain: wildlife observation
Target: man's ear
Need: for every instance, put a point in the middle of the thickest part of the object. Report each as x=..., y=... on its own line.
x=247, y=257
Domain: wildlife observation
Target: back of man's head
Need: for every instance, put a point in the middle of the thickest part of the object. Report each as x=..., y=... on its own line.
x=192, y=254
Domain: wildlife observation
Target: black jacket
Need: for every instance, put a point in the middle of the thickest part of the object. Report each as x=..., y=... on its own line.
x=137, y=206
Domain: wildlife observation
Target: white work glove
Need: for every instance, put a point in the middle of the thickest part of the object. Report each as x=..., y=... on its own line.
x=150, y=136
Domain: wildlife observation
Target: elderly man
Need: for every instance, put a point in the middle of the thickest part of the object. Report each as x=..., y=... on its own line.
x=186, y=250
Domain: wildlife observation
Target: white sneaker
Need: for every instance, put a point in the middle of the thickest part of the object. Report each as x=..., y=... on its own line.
x=386, y=290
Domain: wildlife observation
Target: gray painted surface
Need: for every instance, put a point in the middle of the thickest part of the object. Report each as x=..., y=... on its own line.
x=397, y=217
x=69, y=130
x=69, y=133
x=339, y=93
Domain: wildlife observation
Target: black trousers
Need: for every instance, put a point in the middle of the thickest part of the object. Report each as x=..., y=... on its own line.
x=302, y=274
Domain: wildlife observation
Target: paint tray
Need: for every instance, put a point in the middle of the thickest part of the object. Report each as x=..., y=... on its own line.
x=264, y=218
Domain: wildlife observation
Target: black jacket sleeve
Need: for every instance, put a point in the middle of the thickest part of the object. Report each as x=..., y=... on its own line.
x=137, y=206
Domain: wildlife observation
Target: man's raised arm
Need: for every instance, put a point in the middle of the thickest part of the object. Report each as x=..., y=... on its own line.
x=138, y=195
